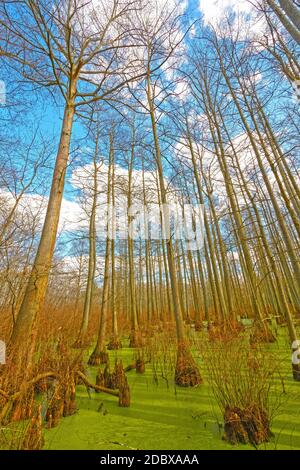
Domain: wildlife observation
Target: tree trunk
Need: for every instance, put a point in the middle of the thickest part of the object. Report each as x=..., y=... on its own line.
x=92, y=256
x=25, y=328
x=186, y=372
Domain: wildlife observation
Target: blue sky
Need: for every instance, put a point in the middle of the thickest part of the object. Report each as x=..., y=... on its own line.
x=47, y=114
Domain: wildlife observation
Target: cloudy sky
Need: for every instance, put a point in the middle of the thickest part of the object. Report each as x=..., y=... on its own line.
x=73, y=215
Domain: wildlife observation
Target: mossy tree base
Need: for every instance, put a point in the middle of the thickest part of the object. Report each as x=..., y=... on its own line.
x=34, y=439
x=140, y=366
x=249, y=425
x=124, y=394
x=70, y=407
x=186, y=373
x=114, y=344
x=224, y=331
x=98, y=358
x=100, y=381
x=54, y=412
x=135, y=339
x=111, y=380
x=262, y=334
x=62, y=403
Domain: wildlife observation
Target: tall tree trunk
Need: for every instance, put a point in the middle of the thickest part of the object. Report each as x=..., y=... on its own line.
x=25, y=328
x=135, y=337
x=92, y=254
x=99, y=355
x=289, y=15
x=186, y=372
x=114, y=342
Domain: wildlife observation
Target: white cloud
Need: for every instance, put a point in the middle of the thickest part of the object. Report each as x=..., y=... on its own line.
x=215, y=10
x=243, y=14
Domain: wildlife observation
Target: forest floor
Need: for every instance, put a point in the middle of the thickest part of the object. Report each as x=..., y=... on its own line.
x=162, y=417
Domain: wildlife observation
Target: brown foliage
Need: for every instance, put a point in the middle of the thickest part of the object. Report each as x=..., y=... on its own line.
x=186, y=372
x=241, y=379
x=248, y=425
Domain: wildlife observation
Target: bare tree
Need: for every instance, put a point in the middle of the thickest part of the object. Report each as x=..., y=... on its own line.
x=83, y=53
x=288, y=13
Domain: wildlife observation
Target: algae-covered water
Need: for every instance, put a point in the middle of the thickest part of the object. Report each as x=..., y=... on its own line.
x=168, y=418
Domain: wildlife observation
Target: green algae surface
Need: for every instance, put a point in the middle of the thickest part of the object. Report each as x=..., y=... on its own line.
x=165, y=417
